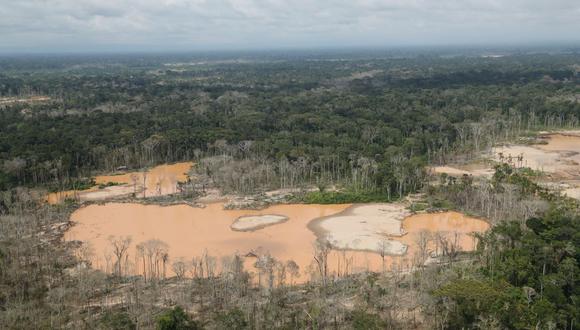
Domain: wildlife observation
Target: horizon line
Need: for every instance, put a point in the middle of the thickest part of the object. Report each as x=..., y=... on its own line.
x=546, y=45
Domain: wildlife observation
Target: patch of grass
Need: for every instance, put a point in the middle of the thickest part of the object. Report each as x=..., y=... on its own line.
x=419, y=206
x=109, y=184
x=442, y=204
x=80, y=184
x=343, y=197
x=530, y=172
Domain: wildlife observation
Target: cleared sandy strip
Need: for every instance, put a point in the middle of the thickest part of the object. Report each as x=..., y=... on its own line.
x=572, y=193
x=160, y=180
x=476, y=170
x=106, y=193
x=364, y=228
x=567, y=133
x=255, y=222
x=449, y=170
x=534, y=158
x=560, y=156
x=93, y=194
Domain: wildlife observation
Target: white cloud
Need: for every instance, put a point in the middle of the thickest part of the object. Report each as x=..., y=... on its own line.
x=195, y=24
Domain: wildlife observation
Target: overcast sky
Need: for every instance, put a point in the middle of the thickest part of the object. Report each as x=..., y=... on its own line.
x=157, y=25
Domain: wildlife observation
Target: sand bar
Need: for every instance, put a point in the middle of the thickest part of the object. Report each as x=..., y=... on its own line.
x=255, y=222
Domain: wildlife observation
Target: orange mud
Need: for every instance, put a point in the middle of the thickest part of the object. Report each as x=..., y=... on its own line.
x=446, y=225
x=191, y=232
x=160, y=180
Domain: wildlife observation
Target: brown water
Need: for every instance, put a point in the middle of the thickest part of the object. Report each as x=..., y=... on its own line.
x=446, y=225
x=191, y=232
x=158, y=181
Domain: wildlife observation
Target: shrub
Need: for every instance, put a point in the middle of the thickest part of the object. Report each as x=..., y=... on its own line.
x=176, y=319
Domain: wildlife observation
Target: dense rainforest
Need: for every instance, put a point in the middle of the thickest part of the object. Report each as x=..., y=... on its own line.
x=364, y=123
x=327, y=112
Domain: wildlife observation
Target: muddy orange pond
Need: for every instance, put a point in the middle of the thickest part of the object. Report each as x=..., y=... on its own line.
x=157, y=181
x=191, y=232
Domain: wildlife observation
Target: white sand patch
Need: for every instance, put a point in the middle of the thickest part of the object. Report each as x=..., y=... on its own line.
x=476, y=170
x=560, y=156
x=107, y=193
x=255, y=222
x=92, y=194
x=365, y=228
x=449, y=170
x=571, y=133
x=534, y=158
x=573, y=192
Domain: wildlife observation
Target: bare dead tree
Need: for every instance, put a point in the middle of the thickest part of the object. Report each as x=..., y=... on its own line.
x=164, y=260
x=293, y=270
x=280, y=273
x=180, y=268
x=265, y=265
x=120, y=246
x=422, y=240
x=144, y=183
x=321, y=251
x=142, y=255
x=157, y=255
x=134, y=179
x=449, y=245
x=383, y=249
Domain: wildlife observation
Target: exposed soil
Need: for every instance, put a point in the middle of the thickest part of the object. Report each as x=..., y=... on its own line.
x=557, y=158
x=159, y=181
x=365, y=228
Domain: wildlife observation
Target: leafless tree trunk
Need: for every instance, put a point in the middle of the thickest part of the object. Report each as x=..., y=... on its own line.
x=321, y=251
x=120, y=247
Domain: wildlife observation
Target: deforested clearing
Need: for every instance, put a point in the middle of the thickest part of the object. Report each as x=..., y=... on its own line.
x=158, y=181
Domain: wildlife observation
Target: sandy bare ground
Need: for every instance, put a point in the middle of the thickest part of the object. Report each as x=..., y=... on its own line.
x=92, y=194
x=571, y=189
x=559, y=155
x=107, y=193
x=558, y=158
x=569, y=133
x=365, y=228
x=533, y=157
x=476, y=170
x=572, y=192
x=158, y=181
x=454, y=171
x=255, y=222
